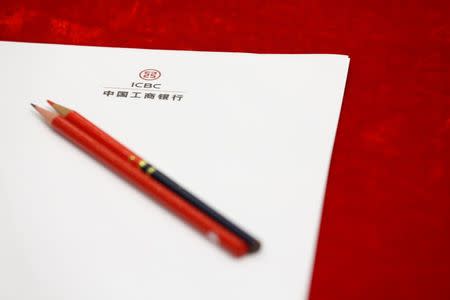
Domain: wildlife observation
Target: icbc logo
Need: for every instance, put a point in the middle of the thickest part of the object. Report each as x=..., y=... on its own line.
x=150, y=74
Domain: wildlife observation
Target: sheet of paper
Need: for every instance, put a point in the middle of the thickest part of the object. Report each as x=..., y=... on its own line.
x=250, y=134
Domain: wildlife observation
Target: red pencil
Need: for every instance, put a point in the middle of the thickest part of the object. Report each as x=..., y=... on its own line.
x=102, y=137
x=129, y=156
x=201, y=222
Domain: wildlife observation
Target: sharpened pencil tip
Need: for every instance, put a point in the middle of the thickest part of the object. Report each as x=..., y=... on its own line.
x=63, y=111
x=47, y=115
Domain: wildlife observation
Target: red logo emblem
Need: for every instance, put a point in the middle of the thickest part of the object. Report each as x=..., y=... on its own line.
x=150, y=74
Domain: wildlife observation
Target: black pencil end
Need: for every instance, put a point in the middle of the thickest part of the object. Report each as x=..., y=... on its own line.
x=254, y=247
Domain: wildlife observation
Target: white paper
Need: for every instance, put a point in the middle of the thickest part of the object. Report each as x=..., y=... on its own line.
x=252, y=136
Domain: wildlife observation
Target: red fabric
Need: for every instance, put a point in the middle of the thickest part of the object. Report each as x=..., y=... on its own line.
x=386, y=226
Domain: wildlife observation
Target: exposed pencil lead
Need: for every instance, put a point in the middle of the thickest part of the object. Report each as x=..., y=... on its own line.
x=59, y=108
x=47, y=115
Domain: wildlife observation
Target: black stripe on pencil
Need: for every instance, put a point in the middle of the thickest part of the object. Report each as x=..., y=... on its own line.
x=253, y=244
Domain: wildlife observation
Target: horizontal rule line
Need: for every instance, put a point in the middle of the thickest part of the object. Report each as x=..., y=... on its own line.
x=143, y=90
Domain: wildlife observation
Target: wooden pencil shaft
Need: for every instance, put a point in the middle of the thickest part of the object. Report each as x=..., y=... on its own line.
x=153, y=188
x=253, y=244
x=115, y=146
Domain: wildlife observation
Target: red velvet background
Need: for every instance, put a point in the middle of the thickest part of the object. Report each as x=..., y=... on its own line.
x=385, y=231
